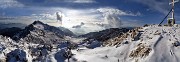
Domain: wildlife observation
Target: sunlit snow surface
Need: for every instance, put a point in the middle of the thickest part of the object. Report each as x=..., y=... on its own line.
x=161, y=45
x=162, y=41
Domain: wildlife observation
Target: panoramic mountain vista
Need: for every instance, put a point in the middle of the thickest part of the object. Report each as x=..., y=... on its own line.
x=89, y=31
x=151, y=43
x=41, y=42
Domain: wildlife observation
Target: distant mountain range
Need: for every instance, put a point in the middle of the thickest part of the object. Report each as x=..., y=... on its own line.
x=39, y=42
x=10, y=32
x=37, y=32
x=10, y=25
x=105, y=34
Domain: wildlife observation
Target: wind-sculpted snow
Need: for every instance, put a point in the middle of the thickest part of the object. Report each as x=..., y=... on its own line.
x=37, y=42
x=144, y=44
x=153, y=44
x=12, y=51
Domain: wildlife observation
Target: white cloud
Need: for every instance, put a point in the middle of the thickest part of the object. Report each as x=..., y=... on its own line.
x=94, y=19
x=114, y=11
x=84, y=1
x=132, y=23
x=44, y=16
x=10, y=3
x=19, y=19
x=74, y=1
x=174, y=2
x=111, y=16
x=97, y=19
x=161, y=6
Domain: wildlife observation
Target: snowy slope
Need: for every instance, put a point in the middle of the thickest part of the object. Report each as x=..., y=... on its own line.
x=38, y=32
x=11, y=51
x=151, y=44
x=37, y=42
x=155, y=44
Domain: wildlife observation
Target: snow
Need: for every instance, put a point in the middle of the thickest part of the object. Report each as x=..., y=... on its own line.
x=39, y=26
x=155, y=44
x=159, y=39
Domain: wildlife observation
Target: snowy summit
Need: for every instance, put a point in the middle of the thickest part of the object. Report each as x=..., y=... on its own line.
x=151, y=43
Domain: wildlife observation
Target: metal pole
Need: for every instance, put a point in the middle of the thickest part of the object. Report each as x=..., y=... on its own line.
x=165, y=17
x=173, y=19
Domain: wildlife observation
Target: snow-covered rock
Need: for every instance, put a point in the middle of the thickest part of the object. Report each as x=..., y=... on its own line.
x=150, y=44
x=155, y=44
x=16, y=56
x=38, y=32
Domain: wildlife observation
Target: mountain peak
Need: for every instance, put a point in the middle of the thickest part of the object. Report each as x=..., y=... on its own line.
x=37, y=22
x=40, y=28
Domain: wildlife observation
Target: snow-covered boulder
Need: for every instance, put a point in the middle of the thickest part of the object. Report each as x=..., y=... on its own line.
x=16, y=56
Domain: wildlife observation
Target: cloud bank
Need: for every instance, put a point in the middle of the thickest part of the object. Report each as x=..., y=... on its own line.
x=83, y=1
x=74, y=12
x=161, y=6
x=10, y=3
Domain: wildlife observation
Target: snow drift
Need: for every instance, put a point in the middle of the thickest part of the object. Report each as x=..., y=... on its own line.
x=154, y=44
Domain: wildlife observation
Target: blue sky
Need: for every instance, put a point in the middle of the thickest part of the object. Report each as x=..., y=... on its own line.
x=94, y=13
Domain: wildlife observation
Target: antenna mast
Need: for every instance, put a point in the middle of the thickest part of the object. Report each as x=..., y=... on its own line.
x=173, y=19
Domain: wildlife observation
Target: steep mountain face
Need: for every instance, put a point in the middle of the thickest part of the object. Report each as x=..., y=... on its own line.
x=105, y=34
x=66, y=31
x=38, y=32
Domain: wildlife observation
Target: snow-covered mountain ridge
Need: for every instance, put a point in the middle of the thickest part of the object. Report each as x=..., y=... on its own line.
x=143, y=44
x=105, y=34
x=152, y=44
x=38, y=32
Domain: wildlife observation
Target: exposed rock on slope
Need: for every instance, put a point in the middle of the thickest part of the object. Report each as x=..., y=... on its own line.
x=97, y=39
x=147, y=44
x=38, y=32
x=155, y=44
x=16, y=55
x=105, y=34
